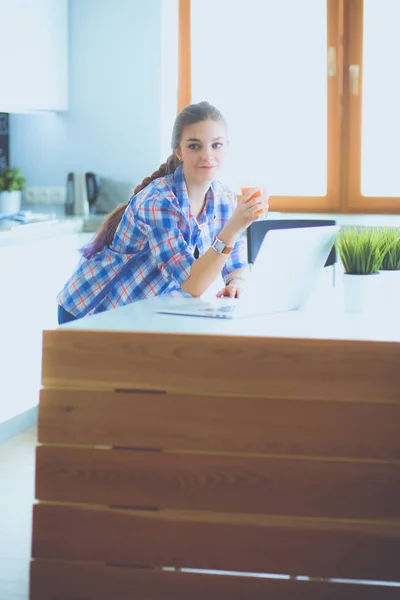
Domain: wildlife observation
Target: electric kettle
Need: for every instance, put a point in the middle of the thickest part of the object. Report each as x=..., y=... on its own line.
x=82, y=189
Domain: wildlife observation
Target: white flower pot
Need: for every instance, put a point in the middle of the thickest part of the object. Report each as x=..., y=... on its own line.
x=361, y=292
x=10, y=202
x=390, y=281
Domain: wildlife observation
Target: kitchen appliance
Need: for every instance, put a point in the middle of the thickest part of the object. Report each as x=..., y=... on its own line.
x=4, y=142
x=82, y=190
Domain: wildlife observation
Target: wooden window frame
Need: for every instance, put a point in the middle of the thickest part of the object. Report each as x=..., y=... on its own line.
x=184, y=55
x=345, y=35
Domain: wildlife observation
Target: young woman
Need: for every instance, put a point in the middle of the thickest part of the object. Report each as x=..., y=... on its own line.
x=179, y=231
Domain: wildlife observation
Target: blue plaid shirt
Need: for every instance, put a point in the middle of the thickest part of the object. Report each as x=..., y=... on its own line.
x=152, y=250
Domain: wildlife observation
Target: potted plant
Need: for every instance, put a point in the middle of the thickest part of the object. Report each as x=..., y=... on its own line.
x=11, y=184
x=390, y=268
x=390, y=242
x=361, y=254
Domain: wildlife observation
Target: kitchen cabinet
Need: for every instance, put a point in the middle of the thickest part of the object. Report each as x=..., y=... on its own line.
x=31, y=275
x=33, y=55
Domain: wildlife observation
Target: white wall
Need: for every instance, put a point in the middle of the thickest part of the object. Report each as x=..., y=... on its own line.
x=113, y=125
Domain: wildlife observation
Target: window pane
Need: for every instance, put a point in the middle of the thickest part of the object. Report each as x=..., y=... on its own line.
x=263, y=64
x=380, y=166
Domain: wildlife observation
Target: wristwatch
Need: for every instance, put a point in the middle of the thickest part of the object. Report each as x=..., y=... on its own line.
x=220, y=247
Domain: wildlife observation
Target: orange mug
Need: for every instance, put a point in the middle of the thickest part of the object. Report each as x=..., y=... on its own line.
x=256, y=194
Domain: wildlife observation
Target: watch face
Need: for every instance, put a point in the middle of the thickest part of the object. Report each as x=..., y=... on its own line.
x=221, y=247
x=218, y=245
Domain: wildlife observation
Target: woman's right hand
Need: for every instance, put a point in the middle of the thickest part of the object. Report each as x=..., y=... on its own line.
x=249, y=210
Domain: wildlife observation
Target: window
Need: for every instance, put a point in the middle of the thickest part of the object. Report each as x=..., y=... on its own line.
x=310, y=92
x=374, y=180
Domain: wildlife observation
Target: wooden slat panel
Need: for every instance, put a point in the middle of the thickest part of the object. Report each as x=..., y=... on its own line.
x=359, y=430
x=313, y=547
x=74, y=581
x=186, y=422
x=212, y=364
x=303, y=487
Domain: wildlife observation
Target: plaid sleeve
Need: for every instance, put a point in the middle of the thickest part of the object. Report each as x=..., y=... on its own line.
x=237, y=258
x=161, y=219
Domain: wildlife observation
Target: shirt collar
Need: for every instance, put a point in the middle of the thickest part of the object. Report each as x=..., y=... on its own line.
x=180, y=188
x=183, y=198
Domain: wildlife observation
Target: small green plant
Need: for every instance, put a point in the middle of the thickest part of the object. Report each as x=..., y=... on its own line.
x=360, y=250
x=11, y=180
x=390, y=246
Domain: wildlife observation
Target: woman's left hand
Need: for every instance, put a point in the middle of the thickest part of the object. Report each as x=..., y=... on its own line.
x=232, y=290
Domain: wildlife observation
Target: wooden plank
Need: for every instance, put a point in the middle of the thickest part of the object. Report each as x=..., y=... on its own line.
x=213, y=364
x=242, y=484
x=187, y=422
x=76, y=581
x=203, y=540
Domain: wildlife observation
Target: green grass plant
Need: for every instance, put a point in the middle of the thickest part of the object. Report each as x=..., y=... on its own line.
x=360, y=250
x=390, y=246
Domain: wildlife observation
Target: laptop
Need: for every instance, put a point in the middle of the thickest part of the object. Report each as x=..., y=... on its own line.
x=284, y=274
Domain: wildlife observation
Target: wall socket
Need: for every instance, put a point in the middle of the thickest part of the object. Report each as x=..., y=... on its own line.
x=44, y=195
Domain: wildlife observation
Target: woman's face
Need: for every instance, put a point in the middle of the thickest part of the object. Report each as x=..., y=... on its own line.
x=202, y=150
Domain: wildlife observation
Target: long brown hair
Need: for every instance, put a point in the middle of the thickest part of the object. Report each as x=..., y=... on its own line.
x=194, y=113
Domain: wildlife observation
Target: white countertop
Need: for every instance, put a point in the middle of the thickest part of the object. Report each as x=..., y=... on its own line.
x=346, y=220
x=60, y=224
x=325, y=319
x=12, y=234
x=22, y=234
